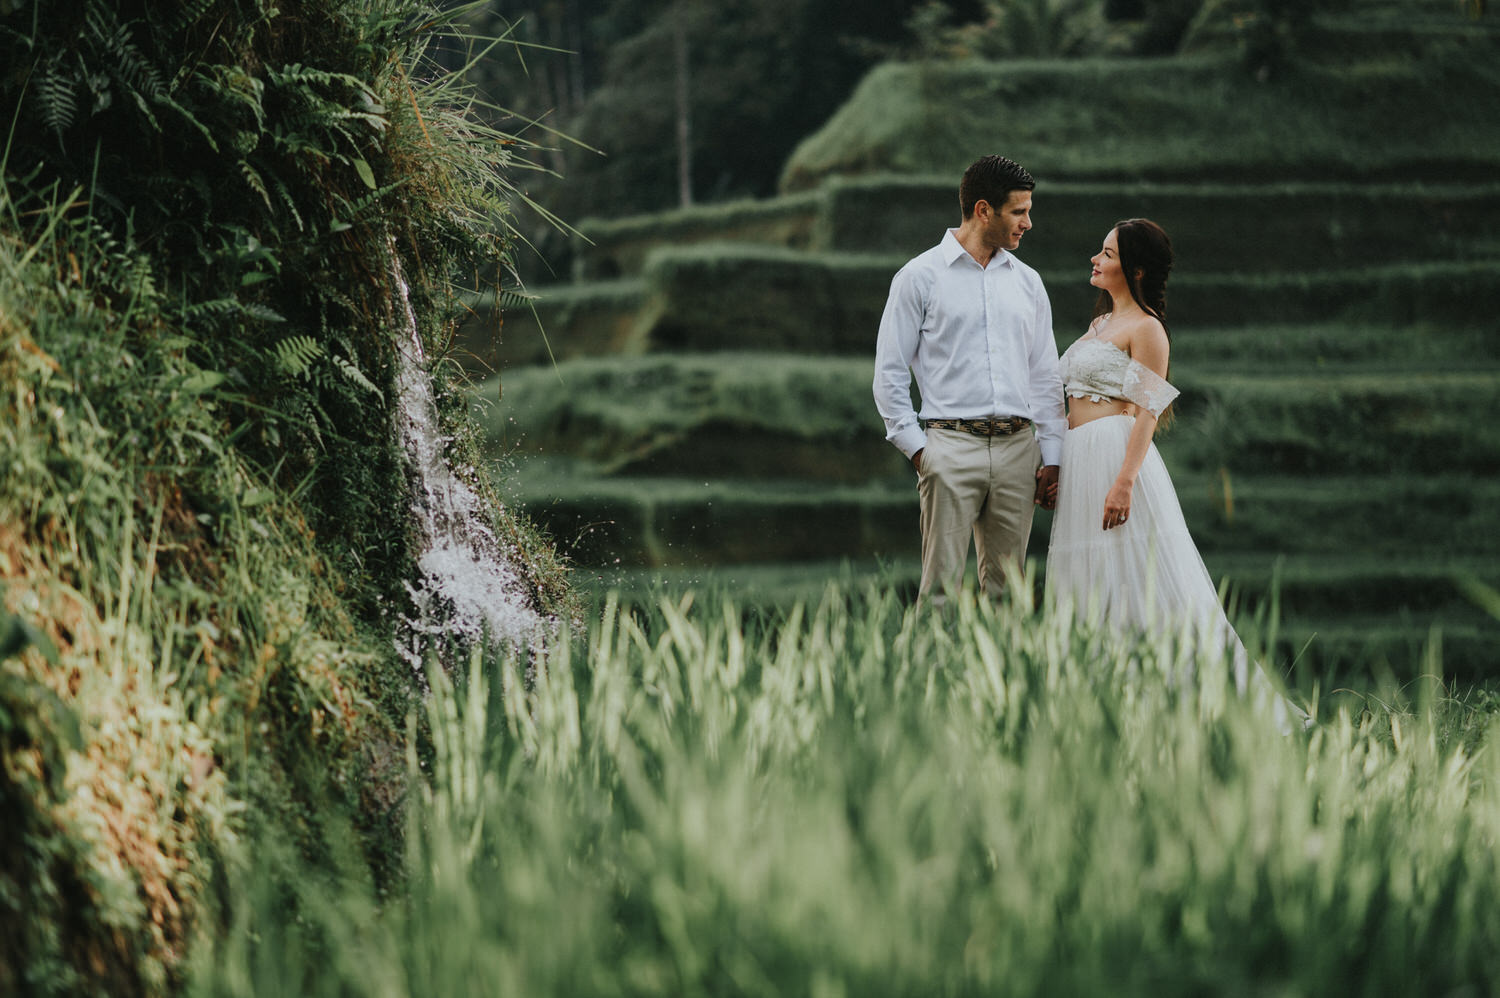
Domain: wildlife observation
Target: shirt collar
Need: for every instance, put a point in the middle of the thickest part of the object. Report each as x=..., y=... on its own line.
x=954, y=250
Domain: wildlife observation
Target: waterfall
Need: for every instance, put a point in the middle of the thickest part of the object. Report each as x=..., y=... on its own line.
x=467, y=587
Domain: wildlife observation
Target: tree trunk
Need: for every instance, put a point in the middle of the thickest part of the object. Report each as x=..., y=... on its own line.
x=684, y=110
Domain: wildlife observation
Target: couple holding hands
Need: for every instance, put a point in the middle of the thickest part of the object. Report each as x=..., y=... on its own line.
x=1007, y=425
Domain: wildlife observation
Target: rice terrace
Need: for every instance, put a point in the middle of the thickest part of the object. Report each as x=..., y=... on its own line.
x=448, y=545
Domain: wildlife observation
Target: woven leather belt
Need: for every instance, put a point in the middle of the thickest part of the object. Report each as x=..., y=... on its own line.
x=983, y=427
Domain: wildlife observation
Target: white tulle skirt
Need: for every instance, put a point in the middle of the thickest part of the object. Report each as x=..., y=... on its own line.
x=1146, y=575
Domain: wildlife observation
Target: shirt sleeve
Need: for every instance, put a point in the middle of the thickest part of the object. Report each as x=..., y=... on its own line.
x=1047, y=408
x=895, y=349
x=1148, y=389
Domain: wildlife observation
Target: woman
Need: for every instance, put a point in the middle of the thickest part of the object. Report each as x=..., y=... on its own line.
x=1120, y=546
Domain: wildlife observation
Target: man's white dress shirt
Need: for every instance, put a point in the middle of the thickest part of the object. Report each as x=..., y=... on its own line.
x=979, y=341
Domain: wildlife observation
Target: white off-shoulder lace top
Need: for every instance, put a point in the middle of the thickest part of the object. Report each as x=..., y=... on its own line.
x=1096, y=369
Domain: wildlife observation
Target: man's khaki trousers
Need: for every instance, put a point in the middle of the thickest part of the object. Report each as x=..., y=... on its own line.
x=981, y=489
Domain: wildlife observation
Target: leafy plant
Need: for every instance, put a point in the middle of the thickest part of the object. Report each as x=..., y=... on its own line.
x=1035, y=29
x=214, y=217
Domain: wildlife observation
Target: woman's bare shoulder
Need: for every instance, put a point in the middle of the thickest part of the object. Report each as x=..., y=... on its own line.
x=1149, y=344
x=1147, y=332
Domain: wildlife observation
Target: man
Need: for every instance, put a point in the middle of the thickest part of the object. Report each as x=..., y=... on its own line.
x=973, y=324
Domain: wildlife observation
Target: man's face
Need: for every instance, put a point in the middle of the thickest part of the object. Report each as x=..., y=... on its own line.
x=1010, y=221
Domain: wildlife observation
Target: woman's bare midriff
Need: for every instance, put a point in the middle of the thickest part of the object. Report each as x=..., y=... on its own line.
x=1083, y=410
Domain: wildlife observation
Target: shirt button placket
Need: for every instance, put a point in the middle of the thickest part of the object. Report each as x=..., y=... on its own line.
x=992, y=331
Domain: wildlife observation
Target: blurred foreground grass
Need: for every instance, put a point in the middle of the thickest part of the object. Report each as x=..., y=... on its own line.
x=853, y=796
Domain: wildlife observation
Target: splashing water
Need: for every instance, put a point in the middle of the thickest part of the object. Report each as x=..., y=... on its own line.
x=468, y=587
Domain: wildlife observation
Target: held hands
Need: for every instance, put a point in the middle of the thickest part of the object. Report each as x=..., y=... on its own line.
x=1046, y=487
x=1046, y=483
x=1117, y=503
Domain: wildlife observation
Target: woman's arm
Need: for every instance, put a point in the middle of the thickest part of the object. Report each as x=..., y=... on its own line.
x=1117, y=501
x=1148, y=346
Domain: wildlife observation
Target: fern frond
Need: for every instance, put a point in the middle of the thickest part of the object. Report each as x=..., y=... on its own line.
x=166, y=100
x=259, y=312
x=351, y=371
x=334, y=296
x=285, y=197
x=375, y=119
x=57, y=95
x=296, y=355
x=144, y=108
x=217, y=308
x=189, y=12
x=252, y=177
x=330, y=294
x=371, y=203
x=238, y=88
x=514, y=299
x=307, y=75
x=296, y=143
x=125, y=62
x=220, y=309
x=298, y=408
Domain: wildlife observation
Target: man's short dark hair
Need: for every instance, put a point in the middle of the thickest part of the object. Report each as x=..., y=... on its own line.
x=991, y=179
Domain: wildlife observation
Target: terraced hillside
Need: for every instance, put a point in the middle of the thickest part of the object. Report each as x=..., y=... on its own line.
x=701, y=397
x=711, y=405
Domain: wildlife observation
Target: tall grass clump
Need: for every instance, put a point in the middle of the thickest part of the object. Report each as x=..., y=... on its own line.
x=859, y=797
x=212, y=218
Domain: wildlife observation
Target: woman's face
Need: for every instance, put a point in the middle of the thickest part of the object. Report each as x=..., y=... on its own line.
x=1108, y=275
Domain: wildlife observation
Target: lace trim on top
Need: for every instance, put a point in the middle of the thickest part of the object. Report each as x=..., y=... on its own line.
x=1148, y=389
x=1111, y=373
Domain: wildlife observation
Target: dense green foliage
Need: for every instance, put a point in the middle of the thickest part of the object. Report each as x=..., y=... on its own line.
x=1146, y=120
x=1013, y=28
x=863, y=798
x=761, y=77
x=760, y=73
x=213, y=217
x=275, y=165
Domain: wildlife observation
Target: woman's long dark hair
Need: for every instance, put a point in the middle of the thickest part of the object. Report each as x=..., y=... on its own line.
x=1146, y=260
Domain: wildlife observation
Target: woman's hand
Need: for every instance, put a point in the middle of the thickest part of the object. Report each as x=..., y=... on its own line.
x=1117, y=503
x=1046, y=487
